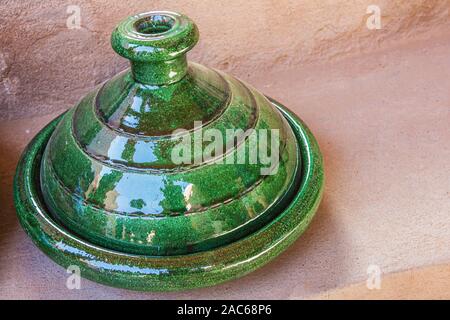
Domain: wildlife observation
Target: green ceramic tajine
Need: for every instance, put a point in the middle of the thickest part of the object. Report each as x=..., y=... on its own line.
x=170, y=175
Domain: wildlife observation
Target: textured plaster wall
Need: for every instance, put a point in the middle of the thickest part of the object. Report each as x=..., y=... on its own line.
x=46, y=67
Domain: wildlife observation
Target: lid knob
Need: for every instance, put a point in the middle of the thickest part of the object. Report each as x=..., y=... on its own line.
x=156, y=43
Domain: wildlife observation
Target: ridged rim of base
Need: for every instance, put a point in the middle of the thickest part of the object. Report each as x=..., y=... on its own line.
x=150, y=273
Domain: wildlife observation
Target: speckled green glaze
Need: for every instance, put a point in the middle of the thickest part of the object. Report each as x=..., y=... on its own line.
x=98, y=186
x=139, y=272
x=107, y=172
x=156, y=44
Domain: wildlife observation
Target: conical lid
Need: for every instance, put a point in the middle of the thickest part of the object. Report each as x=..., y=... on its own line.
x=168, y=157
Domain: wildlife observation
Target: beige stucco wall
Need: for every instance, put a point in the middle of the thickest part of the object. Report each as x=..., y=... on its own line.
x=45, y=66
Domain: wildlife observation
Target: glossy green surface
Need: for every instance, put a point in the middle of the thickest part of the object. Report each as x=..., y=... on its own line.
x=107, y=172
x=100, y=186
x=156, y=44
x=142, y=272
